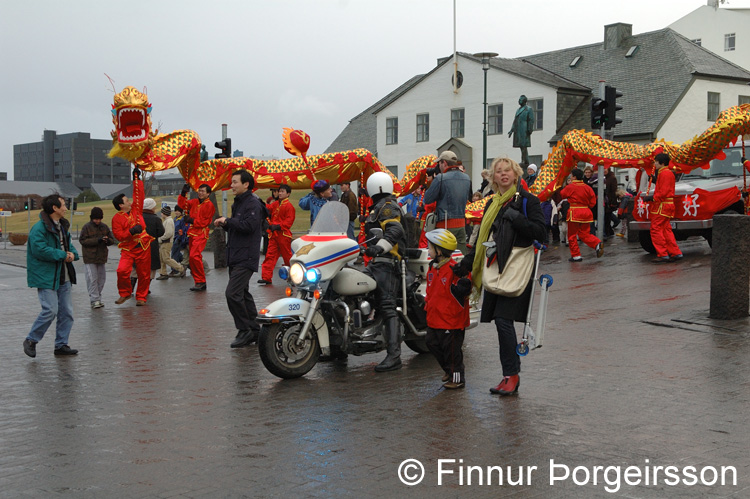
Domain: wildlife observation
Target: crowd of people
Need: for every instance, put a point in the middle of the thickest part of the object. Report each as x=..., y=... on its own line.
x=513, y=218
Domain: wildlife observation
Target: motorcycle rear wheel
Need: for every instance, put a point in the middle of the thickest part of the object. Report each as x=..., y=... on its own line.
x=278, y=349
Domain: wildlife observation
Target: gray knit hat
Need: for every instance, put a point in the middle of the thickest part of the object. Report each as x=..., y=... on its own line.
x=167, y=211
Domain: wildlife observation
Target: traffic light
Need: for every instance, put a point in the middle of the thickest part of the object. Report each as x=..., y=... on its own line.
x=598, y=113
x=32, y=206
x=610, y=96
x=226, y=147
x=26, y=205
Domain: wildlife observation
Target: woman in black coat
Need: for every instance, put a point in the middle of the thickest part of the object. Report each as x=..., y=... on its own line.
x=513, y=217
x=155, y=229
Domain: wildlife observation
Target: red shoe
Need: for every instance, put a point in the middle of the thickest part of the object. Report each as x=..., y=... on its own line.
x=508, y=386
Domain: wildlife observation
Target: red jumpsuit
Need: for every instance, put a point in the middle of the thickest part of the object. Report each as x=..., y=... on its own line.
x=581, y=198
x=202, y=214
x=279, y=241
x=134, y=248
x=661, y=210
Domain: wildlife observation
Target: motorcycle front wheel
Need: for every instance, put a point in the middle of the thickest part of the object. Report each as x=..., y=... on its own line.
x=280, y=353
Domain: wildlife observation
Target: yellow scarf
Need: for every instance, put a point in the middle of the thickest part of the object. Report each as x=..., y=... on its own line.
x=497, y=202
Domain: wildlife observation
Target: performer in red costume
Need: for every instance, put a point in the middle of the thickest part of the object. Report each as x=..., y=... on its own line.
x=200, y=213
x=280, y=233
x=581, y=198
x=129, y=228
x=661, y=211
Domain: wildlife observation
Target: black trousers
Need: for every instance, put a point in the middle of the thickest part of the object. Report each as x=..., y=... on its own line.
x=240, y=301
x=445, y=345
x=388, y=292
x=506, y=338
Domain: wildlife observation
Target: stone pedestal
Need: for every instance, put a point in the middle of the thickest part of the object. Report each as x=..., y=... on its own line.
x=730, y=267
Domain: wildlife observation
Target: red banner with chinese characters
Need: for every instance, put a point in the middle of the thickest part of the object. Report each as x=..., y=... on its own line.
x=700, y=205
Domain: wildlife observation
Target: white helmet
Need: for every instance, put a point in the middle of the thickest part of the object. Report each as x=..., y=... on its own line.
x=379, y=183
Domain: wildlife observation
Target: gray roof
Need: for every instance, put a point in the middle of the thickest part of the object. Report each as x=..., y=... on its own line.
x=652, y=80
x=27, y=187
x=107, y=191
x=526, y=69
x=361, y=132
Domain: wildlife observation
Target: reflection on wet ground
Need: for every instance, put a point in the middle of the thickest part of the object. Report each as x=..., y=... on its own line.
x=157, y=404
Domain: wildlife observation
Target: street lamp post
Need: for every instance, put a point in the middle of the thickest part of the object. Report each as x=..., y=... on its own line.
x=485, y=57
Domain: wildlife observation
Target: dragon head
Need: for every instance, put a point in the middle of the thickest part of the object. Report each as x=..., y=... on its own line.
x=131, y=115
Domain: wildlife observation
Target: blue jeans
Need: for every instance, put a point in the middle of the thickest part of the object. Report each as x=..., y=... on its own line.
x=350, y=231
x=55, y=303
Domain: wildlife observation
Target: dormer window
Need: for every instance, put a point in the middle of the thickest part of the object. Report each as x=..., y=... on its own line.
x=575, y=61
x=632, y=50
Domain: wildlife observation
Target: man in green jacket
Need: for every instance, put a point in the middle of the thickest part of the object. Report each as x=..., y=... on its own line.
x=49, y=268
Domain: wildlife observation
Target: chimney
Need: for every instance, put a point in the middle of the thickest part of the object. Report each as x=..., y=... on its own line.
x=615, y=35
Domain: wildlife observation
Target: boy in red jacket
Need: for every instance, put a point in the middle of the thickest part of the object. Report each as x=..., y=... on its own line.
x=447, y=308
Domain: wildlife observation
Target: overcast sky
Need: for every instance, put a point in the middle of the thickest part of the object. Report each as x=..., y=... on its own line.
x=261, y=65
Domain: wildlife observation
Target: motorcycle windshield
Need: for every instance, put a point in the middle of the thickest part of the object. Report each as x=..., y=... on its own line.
x=332, y=217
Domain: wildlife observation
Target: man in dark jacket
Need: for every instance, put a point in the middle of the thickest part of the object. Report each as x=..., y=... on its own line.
x=49, y=268
x=243, y=254
x=95, y=238
x=386, y=254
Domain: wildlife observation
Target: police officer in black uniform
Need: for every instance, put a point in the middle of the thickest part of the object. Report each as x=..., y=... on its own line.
x=386, y=254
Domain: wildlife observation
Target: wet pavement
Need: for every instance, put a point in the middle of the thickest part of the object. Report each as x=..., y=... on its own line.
x=632, y=374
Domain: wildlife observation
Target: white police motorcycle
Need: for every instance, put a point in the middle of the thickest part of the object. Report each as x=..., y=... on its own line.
x=328, y=310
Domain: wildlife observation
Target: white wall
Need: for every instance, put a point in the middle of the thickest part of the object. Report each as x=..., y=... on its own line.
x=689, y=117
x=710, y=25
x=434, y=95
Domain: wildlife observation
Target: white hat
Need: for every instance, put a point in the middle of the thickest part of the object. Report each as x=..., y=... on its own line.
x=149, y=204
x=532, y=166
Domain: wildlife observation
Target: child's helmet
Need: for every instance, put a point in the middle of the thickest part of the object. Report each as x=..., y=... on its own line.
x=442, y=238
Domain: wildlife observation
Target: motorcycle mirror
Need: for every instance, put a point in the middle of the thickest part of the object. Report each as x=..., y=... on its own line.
x=377, y=233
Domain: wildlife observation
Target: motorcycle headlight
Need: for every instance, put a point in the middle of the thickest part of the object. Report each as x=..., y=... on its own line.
x=297, y=273
x=312, y=275
x=284, y=273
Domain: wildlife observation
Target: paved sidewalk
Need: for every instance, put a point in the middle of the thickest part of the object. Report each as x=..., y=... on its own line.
x=156, y=404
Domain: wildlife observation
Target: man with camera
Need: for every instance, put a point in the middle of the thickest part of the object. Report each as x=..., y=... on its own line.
x=451, y=189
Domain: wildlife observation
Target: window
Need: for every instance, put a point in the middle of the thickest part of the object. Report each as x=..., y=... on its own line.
x=697, y=41
x=495, y=119
x=729, y=42
x=631, y=52
x=575, y=61
x=423, y=128
x=391, y=131
x=713, y=106
x=743, y=99
x=457, y=122
x=538, y=106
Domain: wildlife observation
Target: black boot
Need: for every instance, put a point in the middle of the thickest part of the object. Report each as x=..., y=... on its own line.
x=392, y=361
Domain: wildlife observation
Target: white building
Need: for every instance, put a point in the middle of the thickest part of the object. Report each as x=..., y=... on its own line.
x=673, y=89
x=723, y=31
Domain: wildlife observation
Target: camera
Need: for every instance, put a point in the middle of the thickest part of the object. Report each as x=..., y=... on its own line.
x=431, y=172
